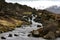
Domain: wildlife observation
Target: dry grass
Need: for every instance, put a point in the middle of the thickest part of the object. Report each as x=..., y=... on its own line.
x=6, y=25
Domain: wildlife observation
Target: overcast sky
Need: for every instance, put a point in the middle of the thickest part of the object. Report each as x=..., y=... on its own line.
x=38, y=4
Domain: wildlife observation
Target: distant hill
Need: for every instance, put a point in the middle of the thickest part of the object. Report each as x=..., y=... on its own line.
x=54, y=9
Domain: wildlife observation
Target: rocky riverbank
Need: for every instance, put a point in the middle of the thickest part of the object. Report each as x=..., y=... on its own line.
x=13, y=15
x=49, y=32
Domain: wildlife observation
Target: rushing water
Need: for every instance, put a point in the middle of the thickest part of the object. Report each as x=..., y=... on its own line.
x=23, y=32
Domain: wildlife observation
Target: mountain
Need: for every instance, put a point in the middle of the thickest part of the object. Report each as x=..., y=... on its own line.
x=54, y=9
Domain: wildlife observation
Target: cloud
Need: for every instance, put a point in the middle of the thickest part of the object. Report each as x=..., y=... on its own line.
x=41, y=4
x=32, y=0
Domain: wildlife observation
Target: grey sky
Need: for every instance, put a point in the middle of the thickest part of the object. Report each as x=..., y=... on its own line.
x=33, y=0
x=38, y=4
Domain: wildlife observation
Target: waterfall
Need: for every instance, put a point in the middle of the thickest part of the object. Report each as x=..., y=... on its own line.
x=34, y=24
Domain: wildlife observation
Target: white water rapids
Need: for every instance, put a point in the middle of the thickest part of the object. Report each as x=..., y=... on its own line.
x=23, y=32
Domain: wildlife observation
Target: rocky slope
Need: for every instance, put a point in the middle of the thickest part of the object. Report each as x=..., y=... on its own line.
x=13, y=15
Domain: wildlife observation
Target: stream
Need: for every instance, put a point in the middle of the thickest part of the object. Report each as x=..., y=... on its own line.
x=23, y=32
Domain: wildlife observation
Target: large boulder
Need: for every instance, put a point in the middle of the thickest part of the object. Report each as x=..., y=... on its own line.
x=50, y=35
x=50, y=27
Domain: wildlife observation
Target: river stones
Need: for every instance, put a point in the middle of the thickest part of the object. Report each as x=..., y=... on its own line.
x=3, y=38
x=29, y=35
x=10, y=35
x=41, y=32
x=16, y=35
x=38, y=25
x=35, y=33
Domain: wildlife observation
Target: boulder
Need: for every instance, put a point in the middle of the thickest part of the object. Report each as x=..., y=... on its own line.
x=50, y=35
x=35, y=33
x=50, y=27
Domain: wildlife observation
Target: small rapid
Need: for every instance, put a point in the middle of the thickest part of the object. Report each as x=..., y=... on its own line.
x=23, y=32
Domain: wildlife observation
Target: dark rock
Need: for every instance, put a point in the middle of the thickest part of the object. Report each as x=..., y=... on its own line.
x=50, y=35
x=16, y=35
x=37, y=19
x=41, y=32
x=50, y=27
x=38, y=25
x=29, y=35
x=10, y=35
x=3, y=38
x=35, y=33
x=1, y=32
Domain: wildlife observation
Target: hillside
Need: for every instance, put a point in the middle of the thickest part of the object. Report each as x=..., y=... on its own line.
x=11, y=15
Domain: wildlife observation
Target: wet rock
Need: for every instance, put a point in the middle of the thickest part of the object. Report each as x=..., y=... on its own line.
x=35, y=33
x=50, y=35
x=3, y=38
x=10, y=35
x=16, y=35
x=41, y=32
x=29, y=35
x=37, y=19
x=38, y=25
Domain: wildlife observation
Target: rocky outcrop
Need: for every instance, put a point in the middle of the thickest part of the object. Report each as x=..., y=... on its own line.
x=50, y=31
